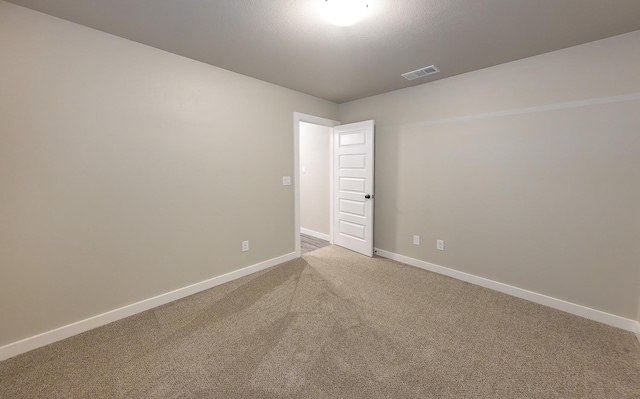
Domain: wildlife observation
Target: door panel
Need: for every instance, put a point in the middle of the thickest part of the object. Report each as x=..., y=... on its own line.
x=352, y=185
x=349, y=207
x=353, y=176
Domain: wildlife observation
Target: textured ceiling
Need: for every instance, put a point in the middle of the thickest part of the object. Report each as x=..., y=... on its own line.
x=285, y=41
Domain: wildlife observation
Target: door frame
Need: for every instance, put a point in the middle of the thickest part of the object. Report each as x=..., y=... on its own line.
x=316, y=120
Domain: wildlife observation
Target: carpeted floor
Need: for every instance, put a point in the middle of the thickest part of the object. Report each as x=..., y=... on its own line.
x=334, y=324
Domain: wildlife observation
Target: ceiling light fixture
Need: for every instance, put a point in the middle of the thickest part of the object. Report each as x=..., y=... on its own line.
x=344, y=12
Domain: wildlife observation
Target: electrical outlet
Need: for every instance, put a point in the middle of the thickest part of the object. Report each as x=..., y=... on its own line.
x=440, y=245
x=245, y=246
x=286, y=180
x=416, y=240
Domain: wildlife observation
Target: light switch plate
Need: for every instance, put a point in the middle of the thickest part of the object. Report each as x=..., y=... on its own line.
x=416, y=240
x=286, y=180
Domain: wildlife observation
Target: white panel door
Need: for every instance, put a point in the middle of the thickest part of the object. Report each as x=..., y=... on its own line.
x=353, y=187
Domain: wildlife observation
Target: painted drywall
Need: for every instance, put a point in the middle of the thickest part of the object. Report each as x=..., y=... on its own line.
x=528, y=171
x=314, y=177
x=127, y=172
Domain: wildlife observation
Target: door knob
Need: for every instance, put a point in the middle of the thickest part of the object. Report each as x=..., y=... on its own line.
x=367, y=196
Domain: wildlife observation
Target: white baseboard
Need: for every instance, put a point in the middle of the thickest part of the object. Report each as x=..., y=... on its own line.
x=49, y=337
x=315, y=234
x=575, y=309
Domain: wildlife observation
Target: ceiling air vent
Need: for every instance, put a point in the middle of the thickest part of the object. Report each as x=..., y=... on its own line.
x=422, y=72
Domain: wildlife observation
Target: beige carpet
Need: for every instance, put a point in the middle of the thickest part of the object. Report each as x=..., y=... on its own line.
x=337, y=325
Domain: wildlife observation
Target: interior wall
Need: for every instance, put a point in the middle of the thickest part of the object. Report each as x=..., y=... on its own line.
x=127, y=172
x=314, y=178
x=528, y=171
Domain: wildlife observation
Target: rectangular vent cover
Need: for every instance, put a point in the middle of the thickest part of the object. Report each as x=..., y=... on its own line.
x=419, y=73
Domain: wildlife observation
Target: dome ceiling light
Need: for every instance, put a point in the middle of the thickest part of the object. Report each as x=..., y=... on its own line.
x=344, y=12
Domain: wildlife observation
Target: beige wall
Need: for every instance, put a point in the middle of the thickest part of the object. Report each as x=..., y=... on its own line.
x=529, y=171
x=314, y=184
x=127, y=172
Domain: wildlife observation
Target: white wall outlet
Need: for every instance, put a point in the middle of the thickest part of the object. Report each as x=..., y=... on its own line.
x=245, y=246
x=416, y=240
x=440, y=245
x=286, y=180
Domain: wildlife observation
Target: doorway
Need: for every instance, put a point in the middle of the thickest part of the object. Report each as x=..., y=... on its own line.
x=315, y=191
x=313, y=181
x=351, y=182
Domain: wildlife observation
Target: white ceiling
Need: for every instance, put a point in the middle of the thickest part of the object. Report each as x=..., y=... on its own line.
x=287, y=43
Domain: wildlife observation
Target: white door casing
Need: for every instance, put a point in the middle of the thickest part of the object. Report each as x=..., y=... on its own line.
x=297, y=118
x=353, y=183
